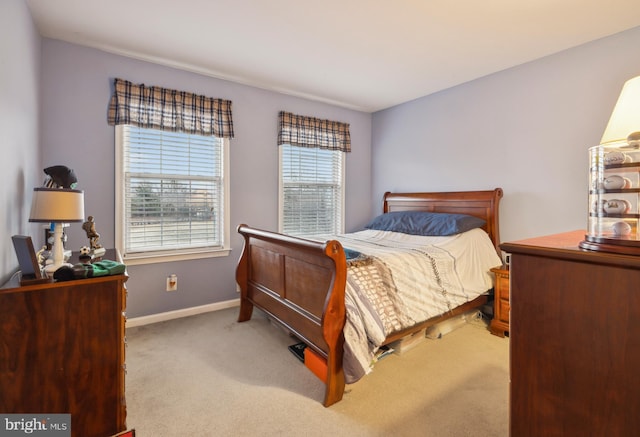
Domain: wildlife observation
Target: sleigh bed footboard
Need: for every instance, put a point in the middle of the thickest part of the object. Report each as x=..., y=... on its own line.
x=301, y=284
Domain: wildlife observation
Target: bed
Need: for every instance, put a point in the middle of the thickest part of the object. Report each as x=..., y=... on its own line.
x=302, y=283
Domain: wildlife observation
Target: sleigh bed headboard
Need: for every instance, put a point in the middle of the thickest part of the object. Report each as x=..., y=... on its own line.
x=481, y=204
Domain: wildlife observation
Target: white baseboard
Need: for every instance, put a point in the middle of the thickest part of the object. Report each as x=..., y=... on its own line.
x=185, y=312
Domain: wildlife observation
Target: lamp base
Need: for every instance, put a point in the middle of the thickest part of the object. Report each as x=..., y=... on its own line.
x=57, y=251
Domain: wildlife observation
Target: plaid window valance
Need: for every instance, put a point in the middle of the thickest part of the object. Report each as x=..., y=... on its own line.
x=170, y=110
x=302, y=131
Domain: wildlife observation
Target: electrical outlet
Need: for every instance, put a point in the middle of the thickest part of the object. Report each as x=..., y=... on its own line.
x=172, y=283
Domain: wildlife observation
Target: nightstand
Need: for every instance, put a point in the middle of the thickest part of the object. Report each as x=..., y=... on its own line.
x=500, y=323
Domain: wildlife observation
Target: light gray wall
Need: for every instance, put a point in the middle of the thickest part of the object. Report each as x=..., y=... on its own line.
x=526, y=129
x=76, y=86
x=19, y=129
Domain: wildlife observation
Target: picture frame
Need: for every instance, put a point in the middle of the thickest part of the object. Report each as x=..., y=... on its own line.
x=29, y=266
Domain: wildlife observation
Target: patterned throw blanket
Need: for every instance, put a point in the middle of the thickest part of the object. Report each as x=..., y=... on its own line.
x=355, y=258
x=395, y=281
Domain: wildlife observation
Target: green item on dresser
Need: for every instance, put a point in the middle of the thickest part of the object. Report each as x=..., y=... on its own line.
x=99, y=268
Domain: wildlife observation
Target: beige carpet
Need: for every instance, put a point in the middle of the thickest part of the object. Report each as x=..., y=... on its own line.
x=208, y=375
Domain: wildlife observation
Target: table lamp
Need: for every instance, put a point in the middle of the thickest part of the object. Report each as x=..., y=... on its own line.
x=614, y=179
x=57, y=206
x=624, y=124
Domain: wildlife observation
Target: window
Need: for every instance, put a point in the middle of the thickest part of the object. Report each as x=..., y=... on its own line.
x=312, y=152
x=311, y=191
x=173, y=194
x=172, y=181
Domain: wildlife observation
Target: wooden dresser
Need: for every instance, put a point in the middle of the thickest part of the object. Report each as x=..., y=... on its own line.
x=574, y=339
x=62, y=351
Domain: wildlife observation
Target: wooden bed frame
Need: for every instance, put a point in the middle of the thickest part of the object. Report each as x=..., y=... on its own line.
x=301, y=283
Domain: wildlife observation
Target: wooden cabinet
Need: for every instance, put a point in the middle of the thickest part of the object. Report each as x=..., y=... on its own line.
x=574, y=339
x=500, y=322
x=62, y=351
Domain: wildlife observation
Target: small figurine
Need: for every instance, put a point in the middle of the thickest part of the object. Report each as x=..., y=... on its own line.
x=41, y=256
x=90, y=228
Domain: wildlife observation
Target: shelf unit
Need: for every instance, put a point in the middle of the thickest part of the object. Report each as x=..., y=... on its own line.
x=614, y=199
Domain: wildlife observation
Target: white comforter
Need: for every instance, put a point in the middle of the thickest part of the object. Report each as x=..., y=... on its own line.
x=404, y=279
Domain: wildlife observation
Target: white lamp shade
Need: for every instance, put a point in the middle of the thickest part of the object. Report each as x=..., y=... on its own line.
x=625, y=118
x=57, y=205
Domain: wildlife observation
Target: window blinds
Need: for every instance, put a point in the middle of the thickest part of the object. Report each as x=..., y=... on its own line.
x=173, y=190
x=311, y=190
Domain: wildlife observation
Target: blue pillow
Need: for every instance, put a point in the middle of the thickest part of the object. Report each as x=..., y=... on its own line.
x=425, y=223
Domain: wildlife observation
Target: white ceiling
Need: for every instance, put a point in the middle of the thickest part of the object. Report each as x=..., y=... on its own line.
x=361, y=54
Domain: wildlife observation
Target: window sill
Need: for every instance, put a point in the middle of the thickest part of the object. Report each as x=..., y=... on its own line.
x=151, y=258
